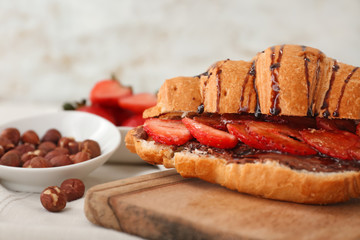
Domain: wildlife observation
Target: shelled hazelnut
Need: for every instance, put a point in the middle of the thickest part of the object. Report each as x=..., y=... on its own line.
x=53, y=199
x=11, y=158
x=80, y=157
x=12, y=134
x=36, y=162
x=30, y=137
x=2, y=151
x=6, y=143
x=24, y=148
x=90, y=146
x=51, y=135
x=60, y=160
x=47, y=146
x=73, y=188
x=30, y=155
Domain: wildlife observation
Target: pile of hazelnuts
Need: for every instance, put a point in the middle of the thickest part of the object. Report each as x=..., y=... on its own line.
x=28, y=150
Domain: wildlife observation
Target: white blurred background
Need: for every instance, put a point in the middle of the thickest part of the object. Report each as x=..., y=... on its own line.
x=55, y=50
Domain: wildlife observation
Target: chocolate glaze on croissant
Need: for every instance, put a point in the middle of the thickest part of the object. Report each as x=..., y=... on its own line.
x=282, y=80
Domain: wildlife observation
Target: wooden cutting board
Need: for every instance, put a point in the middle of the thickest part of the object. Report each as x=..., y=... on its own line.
x=164, y=205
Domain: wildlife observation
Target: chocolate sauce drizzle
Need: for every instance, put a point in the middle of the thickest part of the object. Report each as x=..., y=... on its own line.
x=275, y=88
x=200, y=109
x=306, y=71
x=202, y=74
x=204, y=90
x=346, y=81
x=310, y=112
x=218, y=85
x=325, y=104
x=251, y=72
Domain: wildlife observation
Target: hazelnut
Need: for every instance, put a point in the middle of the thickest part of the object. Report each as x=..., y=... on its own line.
x=73, y=189
x=60, y=160
x=24, y=148
x=64, y=142
x=47, y=146
x=53, y=199
x=90, y=146
x=6, y=143
x=56, y=152
x=12, y=134
x=80, y=157
x=27, y=156
x=62, y=150
x=11, y=158
x=37, y=162
x=51, y=135
x=31, y=137
x=73, y=147
x=2, y=151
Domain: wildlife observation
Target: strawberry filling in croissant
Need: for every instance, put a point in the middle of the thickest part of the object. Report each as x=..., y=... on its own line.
x=314, y=144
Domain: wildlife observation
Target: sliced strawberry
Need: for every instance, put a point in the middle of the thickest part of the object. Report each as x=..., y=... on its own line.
x=358, y=129
x=212, y=121
x=102, y=112
x=108, y=92
x=279, y=137
x=327, y=124
x=346, y=124
x=138, y=102
x=298, y=123
x=239, y=131
x=134, y=121
x=236, y=118
x=336, y=144
x=169, y=132
x=336, y=124
x=210, y=136
x=354, y=152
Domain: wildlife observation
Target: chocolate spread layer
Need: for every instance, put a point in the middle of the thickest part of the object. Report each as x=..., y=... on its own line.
x=242, y=154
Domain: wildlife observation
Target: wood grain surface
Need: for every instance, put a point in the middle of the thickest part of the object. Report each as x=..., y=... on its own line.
x=164, y=205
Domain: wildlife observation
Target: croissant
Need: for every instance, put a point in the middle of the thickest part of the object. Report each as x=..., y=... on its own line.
x=291, y=84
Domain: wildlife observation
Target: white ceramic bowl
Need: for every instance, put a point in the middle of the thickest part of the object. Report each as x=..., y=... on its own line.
x=79, y=125
x=122, y=154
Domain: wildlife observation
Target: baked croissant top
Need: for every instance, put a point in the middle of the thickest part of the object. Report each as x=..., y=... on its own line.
x=288, y=80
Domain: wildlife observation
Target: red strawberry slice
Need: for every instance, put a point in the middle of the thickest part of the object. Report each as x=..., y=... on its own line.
x=358, y=129
x=354, y=152
x=107, y=92
x=212, y=121
x=134, y=121
x=279, y=137
x=337, y=144
x=239, y=131
x=210, y=136
x=97, y=110
x=346, y=124
x=336, y=124
x=236, y=119
x=168, y=132
x=138, y=102
x=298, y=123
x=327, y=124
